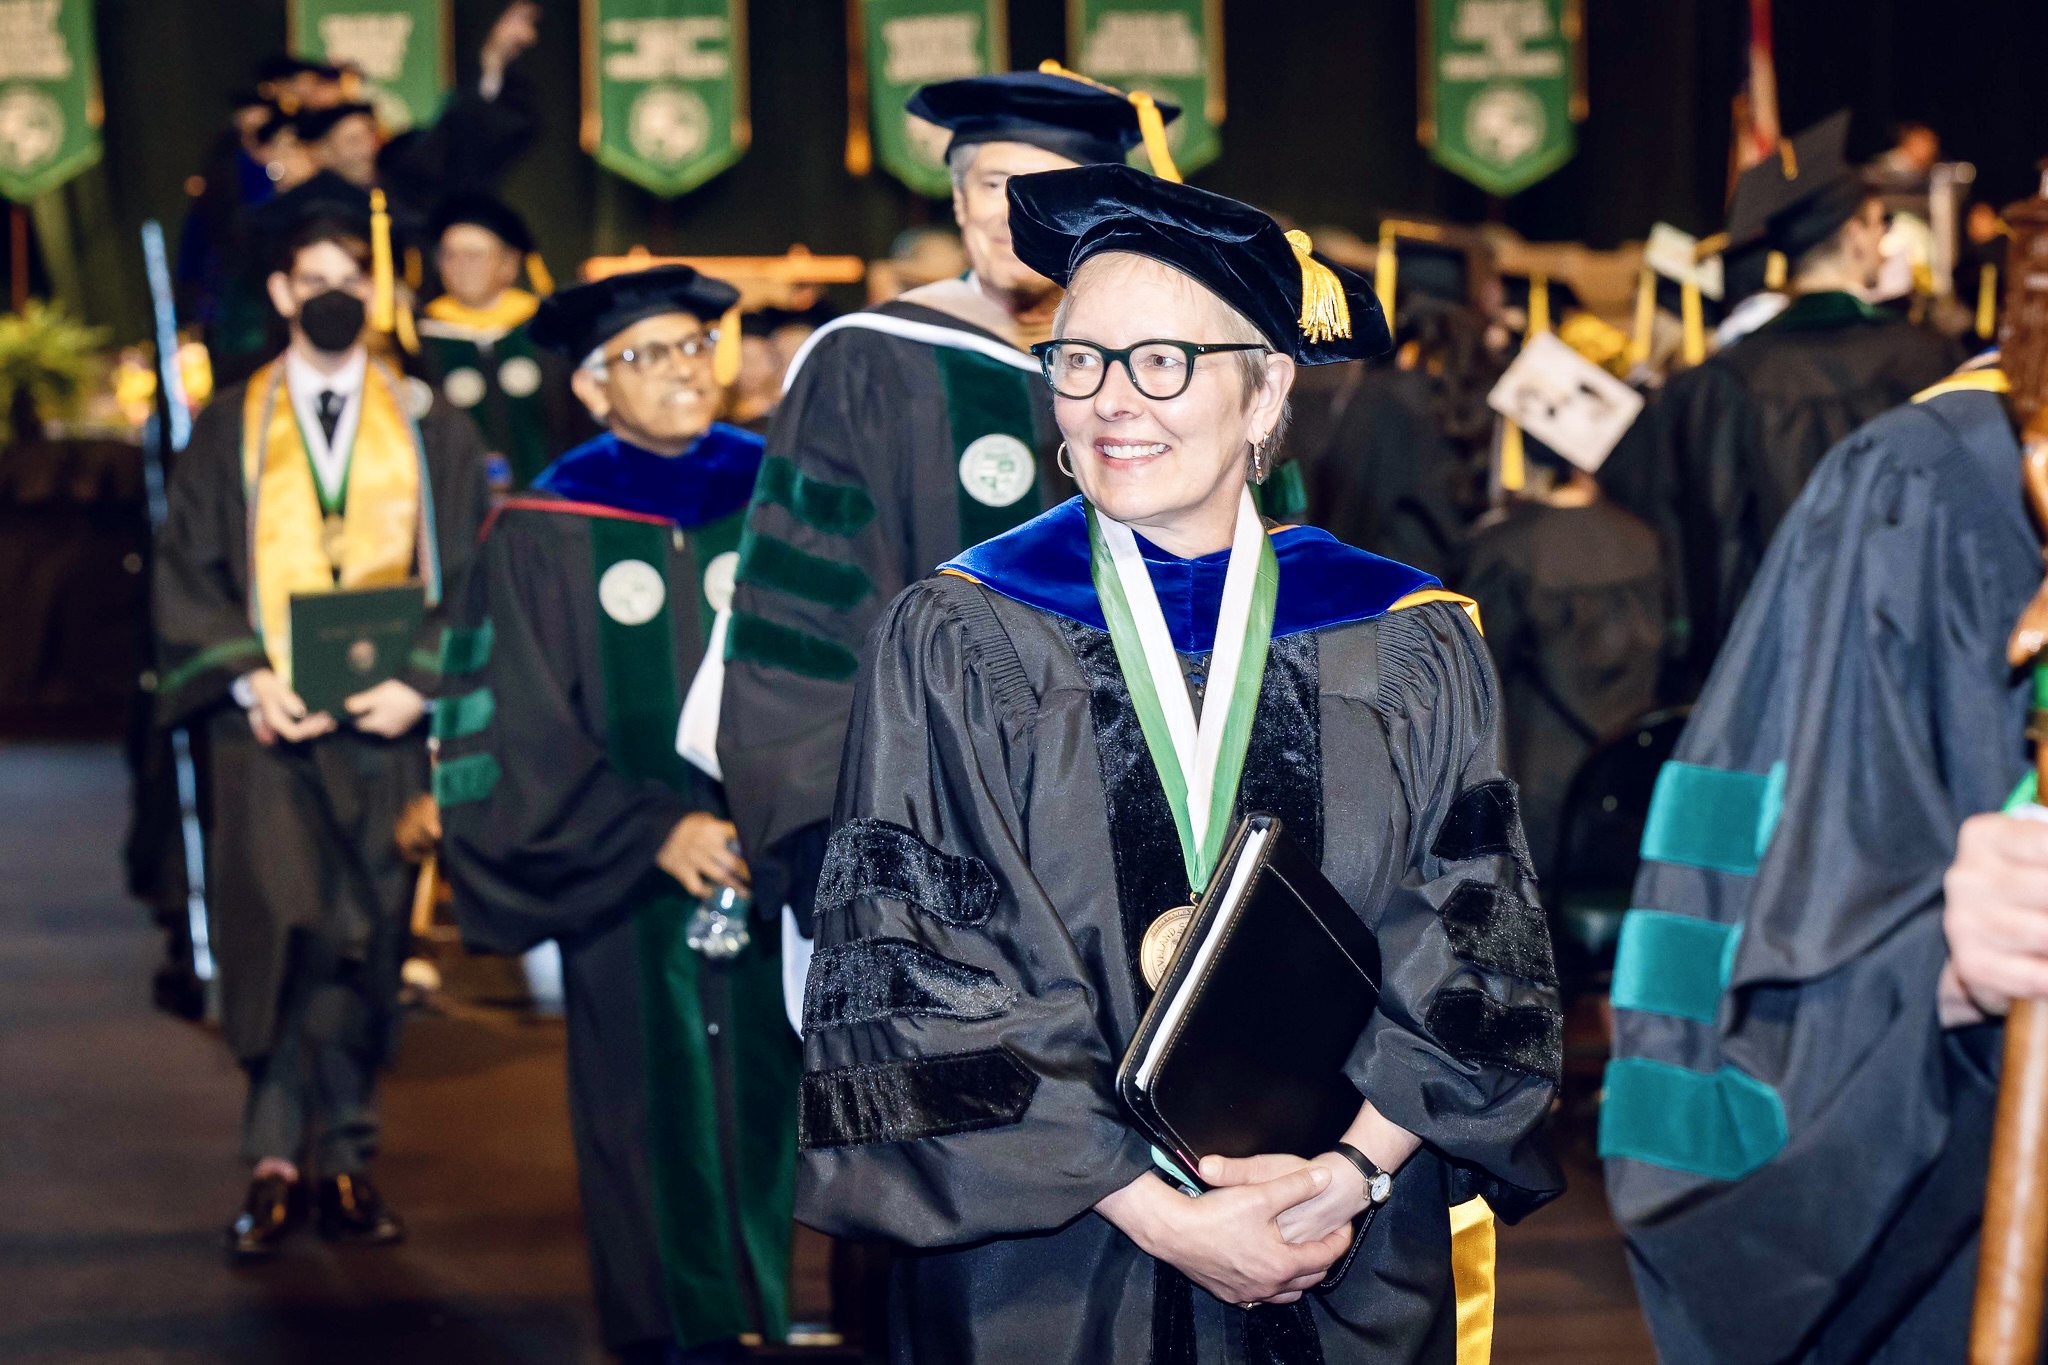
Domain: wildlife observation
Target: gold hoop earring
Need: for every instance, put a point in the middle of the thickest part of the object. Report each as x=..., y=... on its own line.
x=1060, y=459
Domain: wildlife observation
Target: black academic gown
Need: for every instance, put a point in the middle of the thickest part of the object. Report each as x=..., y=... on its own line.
x=1716, y=460
x=880, y=466
x=1004, y=841
x=1796, y=1148
x=1573, y=603
x=301, y=834
x=1382, y=475
x=517, y=394
x=558, y=780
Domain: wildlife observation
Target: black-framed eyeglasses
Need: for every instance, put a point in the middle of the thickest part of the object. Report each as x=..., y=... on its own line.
x=1159, y=368
x=655, y=354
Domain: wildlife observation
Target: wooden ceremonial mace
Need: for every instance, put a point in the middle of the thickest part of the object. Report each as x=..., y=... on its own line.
x=2012, y=1269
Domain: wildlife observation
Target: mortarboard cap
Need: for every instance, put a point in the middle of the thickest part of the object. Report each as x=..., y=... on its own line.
x=486, y=211
x=1306, y=307
x=313, y=124
x=325, y=199
x=1062, y=113
x=1794, y=201
x=582, y=318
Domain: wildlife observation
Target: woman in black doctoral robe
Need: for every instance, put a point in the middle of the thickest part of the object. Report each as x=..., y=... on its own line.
x=1007, y=839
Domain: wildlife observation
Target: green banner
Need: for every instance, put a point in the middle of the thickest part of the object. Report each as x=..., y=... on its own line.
x=49, y=95
x=909, y=43
x=1170, y=49
x=403, y=48
x=665, y=89
x=1501, y=89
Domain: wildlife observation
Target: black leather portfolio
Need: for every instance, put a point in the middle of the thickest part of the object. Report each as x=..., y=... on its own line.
x=1242, y=1050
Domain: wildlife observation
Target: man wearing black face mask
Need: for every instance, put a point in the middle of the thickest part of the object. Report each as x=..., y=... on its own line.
x=318, y=475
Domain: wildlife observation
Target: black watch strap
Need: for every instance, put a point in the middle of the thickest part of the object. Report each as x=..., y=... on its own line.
x=1378, y=1184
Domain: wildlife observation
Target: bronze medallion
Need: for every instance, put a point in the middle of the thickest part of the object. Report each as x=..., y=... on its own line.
x=332, y=528
x=1162, y=942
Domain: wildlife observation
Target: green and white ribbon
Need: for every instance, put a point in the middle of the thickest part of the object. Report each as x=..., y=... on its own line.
x=1199, y=764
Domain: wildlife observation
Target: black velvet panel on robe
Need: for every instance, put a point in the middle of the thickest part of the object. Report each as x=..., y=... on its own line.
x=1003, y=1258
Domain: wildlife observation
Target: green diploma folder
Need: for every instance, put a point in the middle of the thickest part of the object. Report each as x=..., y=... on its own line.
x=344, y=642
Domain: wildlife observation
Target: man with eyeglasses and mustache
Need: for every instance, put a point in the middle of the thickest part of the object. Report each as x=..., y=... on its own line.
x=570, y=813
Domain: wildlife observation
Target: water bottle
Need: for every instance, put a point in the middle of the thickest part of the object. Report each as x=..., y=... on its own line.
x=718, y=926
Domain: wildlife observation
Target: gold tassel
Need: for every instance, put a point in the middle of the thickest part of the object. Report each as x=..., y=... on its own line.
x=1640, y=344
x=538, y=276
x=1539, y=304
x=1776, y=271
x=860, y=150
x=1152, y=128
x=415, y=269
x=383, y=289
x=1151, y=125
x=725, y=354
x=1788, y=158
x=1514, y=466
x=1693, y=316
x=1325, y=312
x=1386, y=271
x=408, y=335
x=1987, y=301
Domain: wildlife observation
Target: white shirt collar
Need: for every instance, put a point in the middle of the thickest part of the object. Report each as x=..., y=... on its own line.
x=304, y=379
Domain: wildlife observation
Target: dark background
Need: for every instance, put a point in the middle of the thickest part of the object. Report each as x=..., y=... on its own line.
x=1321, y=125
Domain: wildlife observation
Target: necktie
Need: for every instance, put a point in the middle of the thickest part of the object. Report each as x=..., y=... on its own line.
x=330, y=413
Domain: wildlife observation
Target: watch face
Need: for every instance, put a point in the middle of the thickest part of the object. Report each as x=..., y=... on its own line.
x=1379, y=1187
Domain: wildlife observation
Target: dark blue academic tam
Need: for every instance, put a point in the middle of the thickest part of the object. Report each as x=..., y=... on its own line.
x=712, y=479
x=1323, y=582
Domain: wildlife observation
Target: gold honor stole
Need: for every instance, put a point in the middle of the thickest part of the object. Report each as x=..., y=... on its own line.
x=387, y=511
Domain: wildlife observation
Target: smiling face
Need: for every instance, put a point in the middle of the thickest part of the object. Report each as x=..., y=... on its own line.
x=649, y=392
x=981, y=205
x=475, y=265
x=1174, y=468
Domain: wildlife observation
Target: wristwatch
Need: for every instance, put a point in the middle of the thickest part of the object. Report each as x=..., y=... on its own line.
x=1379, y=1186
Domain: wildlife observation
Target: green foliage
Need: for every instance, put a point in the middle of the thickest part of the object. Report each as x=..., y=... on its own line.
x=49, y=356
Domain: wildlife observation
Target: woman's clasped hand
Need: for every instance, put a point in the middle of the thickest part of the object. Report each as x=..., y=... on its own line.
x=1230, y=1240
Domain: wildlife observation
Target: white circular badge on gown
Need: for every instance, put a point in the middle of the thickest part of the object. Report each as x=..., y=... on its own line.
x=464, y=387
x=631, y=592
x=997, y=469
x=519, y=377
x=419, y=397
x=719, y=576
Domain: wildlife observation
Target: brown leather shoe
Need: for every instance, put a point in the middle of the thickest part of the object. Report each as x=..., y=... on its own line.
x=274, y=1208
x=352, y=1211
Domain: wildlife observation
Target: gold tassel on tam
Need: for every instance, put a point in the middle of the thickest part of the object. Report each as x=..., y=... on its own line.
x=725, y=354
x=1539, y=304
x=383, y=287
x=408, y=335
x=1987, y=301
x=1776, y=271
x=1693, y=316
x=538, y=276
x=1386, y=270
x=1325, y=312
x=415, y=269
x=1151, y=126
x=1639, y=345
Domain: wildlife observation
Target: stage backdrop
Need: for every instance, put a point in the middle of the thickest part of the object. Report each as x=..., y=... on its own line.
x=1321, y=122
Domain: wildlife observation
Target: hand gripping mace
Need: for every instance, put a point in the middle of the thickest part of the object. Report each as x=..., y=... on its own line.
x=2012, y=1269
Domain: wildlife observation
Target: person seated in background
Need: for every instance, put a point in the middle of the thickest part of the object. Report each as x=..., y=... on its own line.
x=310, y=478
x=570, y=814
x=475, y=346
